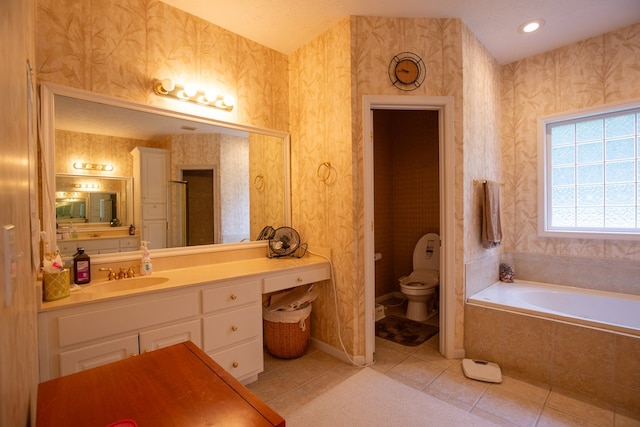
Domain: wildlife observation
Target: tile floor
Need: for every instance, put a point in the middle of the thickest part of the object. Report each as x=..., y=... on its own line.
x=285, y=385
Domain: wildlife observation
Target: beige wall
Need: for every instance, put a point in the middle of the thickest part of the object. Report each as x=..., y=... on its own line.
x=323, y=211
x=75, y=146
x=119, y=47
x=18, y=348
x=329, y=76
x=593, y=72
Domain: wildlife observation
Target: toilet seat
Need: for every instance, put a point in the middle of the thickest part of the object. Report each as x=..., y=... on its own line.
x=419, y=285
x=421, y=279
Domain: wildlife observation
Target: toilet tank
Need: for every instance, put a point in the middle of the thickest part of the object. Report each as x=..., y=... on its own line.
x=426, y=255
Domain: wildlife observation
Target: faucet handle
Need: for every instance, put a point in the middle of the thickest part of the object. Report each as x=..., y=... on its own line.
x=122, y=274
x=131, y=272
x=112, y=275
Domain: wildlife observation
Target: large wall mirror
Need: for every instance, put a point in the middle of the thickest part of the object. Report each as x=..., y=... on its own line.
x=223, y=182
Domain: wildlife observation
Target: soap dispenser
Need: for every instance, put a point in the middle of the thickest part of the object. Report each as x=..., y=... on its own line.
x=145, y=263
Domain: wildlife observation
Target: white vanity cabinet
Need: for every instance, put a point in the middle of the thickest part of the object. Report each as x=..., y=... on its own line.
x=101, y=245
x=223, y=318
x=82, y=337
x=217, y=307
x=232, y=327
x=150, y=175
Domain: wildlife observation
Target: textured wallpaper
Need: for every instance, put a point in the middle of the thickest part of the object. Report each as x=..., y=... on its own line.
x=118, y=48
x=593, y=72
x=328, y=79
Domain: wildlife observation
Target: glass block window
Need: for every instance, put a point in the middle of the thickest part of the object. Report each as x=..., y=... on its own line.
x=591, y=173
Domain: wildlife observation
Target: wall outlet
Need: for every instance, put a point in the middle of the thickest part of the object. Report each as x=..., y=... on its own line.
x=379, y=312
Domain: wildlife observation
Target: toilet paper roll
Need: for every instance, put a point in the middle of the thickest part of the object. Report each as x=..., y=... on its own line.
x=378, y=256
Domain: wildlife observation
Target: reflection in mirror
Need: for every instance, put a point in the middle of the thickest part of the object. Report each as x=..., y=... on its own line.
x=91, y=200
x=223, y=182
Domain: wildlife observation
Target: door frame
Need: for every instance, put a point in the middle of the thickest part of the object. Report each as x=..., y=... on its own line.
x=445, y=106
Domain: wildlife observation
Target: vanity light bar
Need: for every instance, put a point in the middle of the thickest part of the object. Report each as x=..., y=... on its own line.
x=67, y=194
x=93, y=166
x=190, y=93
x=87, y=186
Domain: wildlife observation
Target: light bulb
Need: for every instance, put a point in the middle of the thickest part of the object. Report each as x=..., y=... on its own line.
x=210, y=96
x=190, y=90
x=168, y=85
x=228, y=100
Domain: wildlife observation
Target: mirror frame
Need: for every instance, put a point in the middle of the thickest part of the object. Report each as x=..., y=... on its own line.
x=48, y=92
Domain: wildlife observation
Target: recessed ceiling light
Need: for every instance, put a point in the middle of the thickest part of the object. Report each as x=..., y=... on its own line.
x=531, y=26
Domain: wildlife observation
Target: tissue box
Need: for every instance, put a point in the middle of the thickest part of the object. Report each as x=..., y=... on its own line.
x=56, y=285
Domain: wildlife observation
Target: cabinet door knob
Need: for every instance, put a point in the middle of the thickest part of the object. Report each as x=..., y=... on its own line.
x=235, y=364
x=233, y=297
x=299, y=279
x=234, y=328
x=134, y=354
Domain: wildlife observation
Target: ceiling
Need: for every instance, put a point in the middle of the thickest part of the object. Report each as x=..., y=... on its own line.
x=286, y=25
x=78, y=115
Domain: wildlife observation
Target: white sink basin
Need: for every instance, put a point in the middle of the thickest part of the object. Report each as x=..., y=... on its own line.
x=126, y=284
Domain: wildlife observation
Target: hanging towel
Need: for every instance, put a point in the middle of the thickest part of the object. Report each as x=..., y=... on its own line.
x=491, y=227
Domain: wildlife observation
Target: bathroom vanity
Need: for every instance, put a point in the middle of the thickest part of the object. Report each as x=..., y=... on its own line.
x=218, y=307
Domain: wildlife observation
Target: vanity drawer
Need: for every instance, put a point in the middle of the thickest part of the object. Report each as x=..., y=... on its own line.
x=286, y=281
x=232, y=327
x=241, y=360
x=154, y=211
x=230, y=296
x=129, y=244
x=97, y=246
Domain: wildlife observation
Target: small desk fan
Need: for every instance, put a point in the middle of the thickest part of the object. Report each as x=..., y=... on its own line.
x=286, y=242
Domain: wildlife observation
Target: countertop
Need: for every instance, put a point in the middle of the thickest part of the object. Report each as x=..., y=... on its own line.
x=183, y=277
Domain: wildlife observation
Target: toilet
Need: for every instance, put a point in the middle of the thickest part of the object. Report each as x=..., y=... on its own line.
x=420, y=286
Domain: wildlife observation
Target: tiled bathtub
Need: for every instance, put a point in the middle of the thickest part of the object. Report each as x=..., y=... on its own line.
x=523, y=328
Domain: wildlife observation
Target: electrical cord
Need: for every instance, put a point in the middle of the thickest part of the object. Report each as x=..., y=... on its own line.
x=335, y=299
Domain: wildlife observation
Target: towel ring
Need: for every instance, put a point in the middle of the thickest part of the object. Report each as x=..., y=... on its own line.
x=258, y=182
x=324, y=172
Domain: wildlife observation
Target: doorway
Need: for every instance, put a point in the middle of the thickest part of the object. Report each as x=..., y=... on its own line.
x=444, y=108
x=199, y=217
x=406, y=198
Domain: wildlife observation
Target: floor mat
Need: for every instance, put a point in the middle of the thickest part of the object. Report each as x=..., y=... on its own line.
x=404, y=331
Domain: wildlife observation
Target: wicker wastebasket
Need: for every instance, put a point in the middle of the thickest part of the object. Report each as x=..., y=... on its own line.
x=287, y=333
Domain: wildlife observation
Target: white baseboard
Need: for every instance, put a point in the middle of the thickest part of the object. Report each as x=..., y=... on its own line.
x=338, y=354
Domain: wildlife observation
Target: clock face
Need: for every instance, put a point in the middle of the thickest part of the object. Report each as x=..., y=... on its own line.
x=407, y=71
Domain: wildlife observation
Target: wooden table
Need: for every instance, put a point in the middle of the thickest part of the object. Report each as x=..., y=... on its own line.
x=175, y=386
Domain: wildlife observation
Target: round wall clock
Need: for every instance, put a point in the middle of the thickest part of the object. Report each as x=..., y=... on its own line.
x=407, y=71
